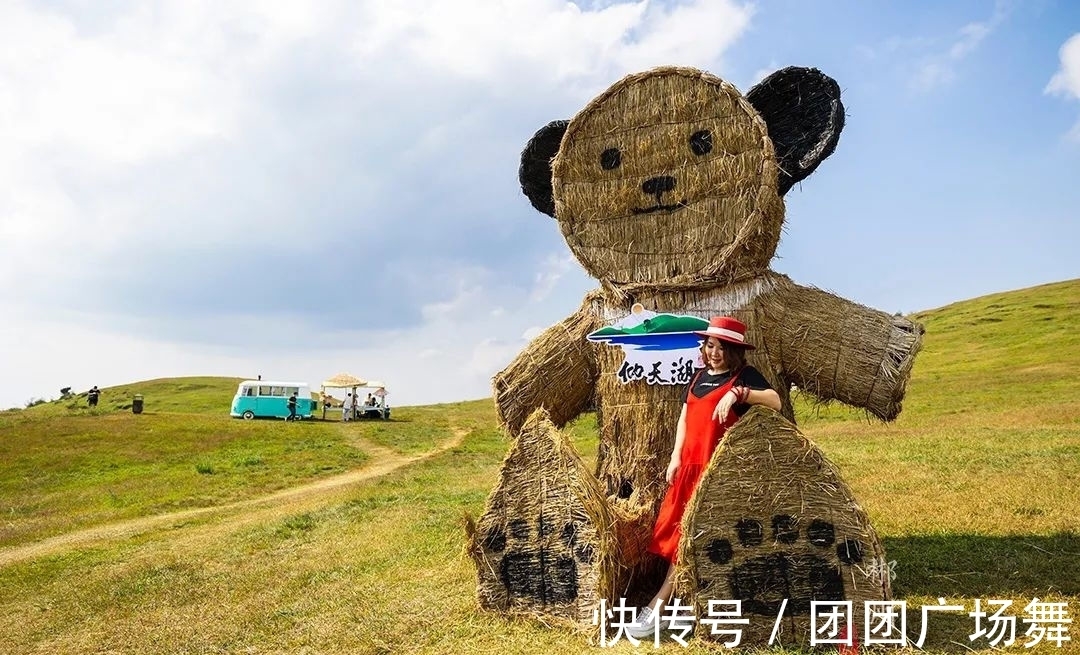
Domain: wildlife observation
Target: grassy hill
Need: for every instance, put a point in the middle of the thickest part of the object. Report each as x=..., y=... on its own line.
x=192, y=395
x=68, y=466
x=974, y=489
x=1022, y=346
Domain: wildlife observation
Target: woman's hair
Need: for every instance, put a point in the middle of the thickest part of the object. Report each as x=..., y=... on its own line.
x=734, y=356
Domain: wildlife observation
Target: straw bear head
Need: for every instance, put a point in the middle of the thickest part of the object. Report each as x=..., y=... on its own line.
x=672, y=179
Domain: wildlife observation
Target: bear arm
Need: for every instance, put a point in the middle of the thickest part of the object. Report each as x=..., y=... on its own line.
x=840, y=350
x=556, y=371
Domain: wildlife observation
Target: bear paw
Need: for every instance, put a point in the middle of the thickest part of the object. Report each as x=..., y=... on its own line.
x=802, y=566
x=536, y=547
x=773, y=525
x=531, y=566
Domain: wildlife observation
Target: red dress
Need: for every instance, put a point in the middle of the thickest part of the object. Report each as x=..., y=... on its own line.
x=703, y=433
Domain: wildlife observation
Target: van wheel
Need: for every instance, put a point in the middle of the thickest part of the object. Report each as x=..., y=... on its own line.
x=248, y=415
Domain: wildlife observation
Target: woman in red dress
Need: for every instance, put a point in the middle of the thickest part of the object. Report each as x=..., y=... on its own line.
x=715, y=398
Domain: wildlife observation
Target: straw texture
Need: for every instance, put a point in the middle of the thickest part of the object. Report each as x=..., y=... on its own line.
x=544, y=544
x=638, y=155
x=802, y=108
x=771, y=520
x=667, y=188
x=344, y=381
x=535, y=170
x=837, y=349
x=804, y=336
x=557, y=371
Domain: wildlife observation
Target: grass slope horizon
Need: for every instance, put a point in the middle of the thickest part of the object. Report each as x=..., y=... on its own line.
x=174, y=393
x=974, y=490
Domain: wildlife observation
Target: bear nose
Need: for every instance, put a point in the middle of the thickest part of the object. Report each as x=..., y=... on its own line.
x=656, y=186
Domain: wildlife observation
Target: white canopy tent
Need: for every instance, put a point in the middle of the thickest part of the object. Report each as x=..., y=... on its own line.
x=344, y=381
x=349, y=381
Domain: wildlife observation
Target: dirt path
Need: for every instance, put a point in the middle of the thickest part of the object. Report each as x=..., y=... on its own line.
x=294, y=499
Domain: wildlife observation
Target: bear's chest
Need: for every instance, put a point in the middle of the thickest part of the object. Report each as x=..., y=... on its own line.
x=658, y=371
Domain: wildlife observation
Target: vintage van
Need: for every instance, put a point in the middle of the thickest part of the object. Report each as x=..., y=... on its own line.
x=266, y=398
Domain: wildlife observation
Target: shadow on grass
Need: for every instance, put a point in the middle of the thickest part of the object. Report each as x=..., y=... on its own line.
x=976, y=566
x=963, y=567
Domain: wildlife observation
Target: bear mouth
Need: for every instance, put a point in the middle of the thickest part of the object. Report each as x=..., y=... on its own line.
x=660, y=208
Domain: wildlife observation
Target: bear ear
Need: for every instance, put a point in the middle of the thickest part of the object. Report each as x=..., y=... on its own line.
x=802, y=109
x=535, y=170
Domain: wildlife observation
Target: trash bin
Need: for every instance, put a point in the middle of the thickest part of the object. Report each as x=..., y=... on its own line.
x=136, y=404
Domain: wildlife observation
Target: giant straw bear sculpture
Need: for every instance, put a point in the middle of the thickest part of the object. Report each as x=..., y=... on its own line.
x=668, y=189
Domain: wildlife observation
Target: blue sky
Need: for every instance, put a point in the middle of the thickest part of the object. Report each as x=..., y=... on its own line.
x=246, y=188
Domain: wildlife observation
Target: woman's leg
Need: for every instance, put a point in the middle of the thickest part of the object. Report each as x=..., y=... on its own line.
x=664, y=594
x=648, y=617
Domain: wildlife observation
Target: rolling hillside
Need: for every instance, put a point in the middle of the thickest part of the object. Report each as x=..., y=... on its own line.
x=191, y=395
x=974, y=490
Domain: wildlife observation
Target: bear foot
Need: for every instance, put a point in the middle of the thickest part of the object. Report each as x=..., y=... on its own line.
x=801, y=567
x=776, y=535
x=536, y=547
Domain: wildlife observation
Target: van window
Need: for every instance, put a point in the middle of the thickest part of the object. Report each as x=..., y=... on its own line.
x=277, y=391
x=264, y=391
x=291, y=390
x=248, y=391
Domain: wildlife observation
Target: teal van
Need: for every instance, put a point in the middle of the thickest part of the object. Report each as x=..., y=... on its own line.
x=262, y=398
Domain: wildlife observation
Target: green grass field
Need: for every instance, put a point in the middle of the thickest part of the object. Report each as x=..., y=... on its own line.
x=184, y=531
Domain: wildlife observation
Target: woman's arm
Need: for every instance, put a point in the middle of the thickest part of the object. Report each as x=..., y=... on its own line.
x=767, y=397
x=743, y=393
x=753, y=389
x=676, y=452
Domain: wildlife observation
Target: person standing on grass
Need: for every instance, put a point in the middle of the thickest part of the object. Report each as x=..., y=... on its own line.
x=346, y=407
x=292, y=407
x=716, y=397
x=92, y=396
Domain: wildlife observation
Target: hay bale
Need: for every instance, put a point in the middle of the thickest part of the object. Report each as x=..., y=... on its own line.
x=840, y=350
x=711, y=166
x=637, y=421
x=557, y=371
x=668, y=127
x=772, y=519
x=544, y=544
x=828, y=346
x=804, y=132
x=535, y=170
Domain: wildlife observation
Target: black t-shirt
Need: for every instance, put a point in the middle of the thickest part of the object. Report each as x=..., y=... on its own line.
x=706, y=382
x=292, y=402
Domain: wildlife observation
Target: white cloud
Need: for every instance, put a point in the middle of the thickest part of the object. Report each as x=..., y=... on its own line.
x=551, y=271
x=1066, y=81
x=552, y=40
x=939, y=69
x=761, y=73
x=532, y=332
x=464, y=348
x=186, y=88
x=117, y=98
x=178, y=172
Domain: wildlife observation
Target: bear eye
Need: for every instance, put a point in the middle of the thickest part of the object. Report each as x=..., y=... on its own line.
x=701, y=142
x=610, y=159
